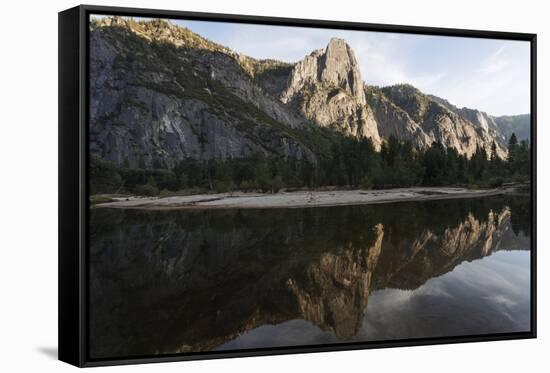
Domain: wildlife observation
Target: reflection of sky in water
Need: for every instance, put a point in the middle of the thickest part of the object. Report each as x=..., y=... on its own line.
x=489, y=295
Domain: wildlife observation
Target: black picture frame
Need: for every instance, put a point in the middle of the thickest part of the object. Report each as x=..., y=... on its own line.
x=73, y=182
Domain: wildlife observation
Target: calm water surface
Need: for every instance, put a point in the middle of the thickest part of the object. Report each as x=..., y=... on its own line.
x=187, y=281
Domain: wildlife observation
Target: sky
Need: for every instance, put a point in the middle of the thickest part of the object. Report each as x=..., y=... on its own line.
x=484, y=74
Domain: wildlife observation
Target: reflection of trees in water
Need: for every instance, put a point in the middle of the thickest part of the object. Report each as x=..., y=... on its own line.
x=521, y=217
x=189, y=281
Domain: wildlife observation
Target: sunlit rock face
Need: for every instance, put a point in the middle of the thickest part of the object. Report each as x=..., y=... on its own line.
x=431, y=119
x=160, y=93
x=335, y=66
x=327, y=87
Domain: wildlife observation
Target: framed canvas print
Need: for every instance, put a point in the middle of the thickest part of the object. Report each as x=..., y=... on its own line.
x=237, y=185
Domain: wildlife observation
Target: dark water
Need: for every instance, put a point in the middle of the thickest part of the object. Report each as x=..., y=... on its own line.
x=188, y=281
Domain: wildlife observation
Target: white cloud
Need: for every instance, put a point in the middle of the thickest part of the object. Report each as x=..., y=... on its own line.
x=490, y=75
x=499, y=85
x=495, y=62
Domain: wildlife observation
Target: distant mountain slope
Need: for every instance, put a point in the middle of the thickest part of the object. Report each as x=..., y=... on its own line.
x=160, y=93
x=518, y=124
x=500, y=127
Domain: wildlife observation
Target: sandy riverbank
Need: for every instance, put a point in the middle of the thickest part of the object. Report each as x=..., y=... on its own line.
x=299, y=199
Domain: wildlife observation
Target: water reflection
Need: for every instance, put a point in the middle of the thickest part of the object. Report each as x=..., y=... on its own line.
x=165, y=282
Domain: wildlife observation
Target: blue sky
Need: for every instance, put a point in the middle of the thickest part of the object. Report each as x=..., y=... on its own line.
x=489, y=75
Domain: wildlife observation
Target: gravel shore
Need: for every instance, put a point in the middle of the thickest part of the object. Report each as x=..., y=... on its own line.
x=298, y=199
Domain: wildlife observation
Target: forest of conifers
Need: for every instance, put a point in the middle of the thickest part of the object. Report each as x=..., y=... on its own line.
x=353, y=164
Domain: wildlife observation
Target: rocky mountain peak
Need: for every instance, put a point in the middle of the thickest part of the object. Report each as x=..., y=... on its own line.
x=198, y=99
x=334, y=67
x=327, y=88
x=337, y=44
x=339, y=67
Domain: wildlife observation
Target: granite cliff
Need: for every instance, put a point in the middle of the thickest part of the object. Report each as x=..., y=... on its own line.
x=327, y=88
x=160, y=93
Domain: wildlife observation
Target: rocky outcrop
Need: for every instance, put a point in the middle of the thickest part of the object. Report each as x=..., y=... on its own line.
x=160, y=93
x=394, y=121
x=500, y=128
x=439, y=121
x=327, y=88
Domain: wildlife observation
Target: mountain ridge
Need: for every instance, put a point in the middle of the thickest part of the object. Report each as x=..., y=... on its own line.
x=162, y=93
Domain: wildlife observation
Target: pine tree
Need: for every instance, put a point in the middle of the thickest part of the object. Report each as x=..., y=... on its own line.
x=512, y=148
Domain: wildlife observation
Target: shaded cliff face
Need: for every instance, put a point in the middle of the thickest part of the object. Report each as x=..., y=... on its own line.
x=219, y=274
x=160, y=93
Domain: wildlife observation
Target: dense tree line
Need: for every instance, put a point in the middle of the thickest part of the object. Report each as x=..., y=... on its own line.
x=352, y=163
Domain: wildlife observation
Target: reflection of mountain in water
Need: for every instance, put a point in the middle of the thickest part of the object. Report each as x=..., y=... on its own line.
x=165, y=282
x=334, y=291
